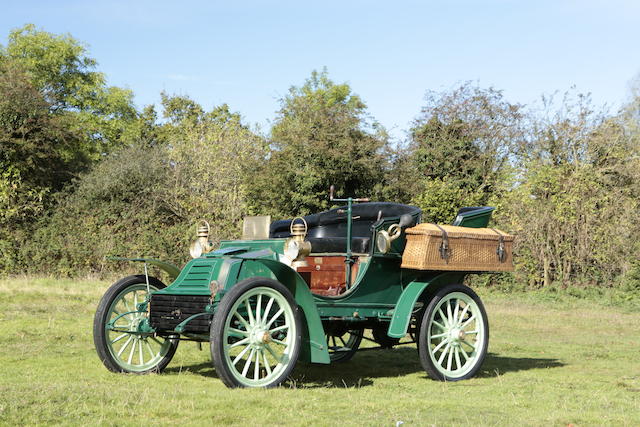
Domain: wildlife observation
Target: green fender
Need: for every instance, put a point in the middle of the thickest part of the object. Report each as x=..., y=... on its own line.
x=170, y=269
x=314, y=348
x=410, y=295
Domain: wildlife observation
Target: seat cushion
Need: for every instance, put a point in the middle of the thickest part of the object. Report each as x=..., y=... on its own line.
x=339, y=244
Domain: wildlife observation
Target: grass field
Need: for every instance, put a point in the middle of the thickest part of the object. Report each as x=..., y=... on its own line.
x=551, y=362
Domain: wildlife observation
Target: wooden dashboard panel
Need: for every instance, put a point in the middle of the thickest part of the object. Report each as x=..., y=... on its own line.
x=325, y=275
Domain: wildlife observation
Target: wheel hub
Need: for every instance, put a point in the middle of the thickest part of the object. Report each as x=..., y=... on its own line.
x=456, y=335
x=258, y=337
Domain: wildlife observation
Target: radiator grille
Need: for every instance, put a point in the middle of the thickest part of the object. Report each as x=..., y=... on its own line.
x=168, y=311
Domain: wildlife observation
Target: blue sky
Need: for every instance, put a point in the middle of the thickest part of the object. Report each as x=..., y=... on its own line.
x=248, y=54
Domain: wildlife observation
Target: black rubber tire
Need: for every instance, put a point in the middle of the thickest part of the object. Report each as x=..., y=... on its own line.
x=354, y=341
x=385, y=341
x=102, y=317
x=425, y=359
x=219, y=321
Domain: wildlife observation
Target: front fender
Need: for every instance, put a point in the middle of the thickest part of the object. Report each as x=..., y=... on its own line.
x=314, y=347
x=168, y=268
x=404, y=307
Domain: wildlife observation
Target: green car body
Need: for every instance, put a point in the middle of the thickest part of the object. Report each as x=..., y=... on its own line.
x=382, y=295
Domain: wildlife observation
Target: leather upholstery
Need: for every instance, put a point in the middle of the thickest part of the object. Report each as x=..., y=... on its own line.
x=328, y=230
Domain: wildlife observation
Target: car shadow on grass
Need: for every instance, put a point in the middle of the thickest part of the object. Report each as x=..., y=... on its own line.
x=367, y=366
x=495, y=364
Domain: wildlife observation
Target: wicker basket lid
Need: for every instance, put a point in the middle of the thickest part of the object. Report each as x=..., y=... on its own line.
x=460, y=232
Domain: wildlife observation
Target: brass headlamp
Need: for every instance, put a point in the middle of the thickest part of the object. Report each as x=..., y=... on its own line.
x=201, y=245
x=296, y=247
x=385, y=237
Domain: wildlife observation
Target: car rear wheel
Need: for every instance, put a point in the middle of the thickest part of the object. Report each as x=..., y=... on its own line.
x=454, y=334
x=118, y=329
x=256, y=334
x=343, y=344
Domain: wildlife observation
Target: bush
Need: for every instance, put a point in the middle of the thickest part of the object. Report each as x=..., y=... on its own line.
x=119, y=208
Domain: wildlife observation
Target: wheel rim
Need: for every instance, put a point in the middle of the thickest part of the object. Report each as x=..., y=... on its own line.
x=341, y=346
x=133, y=352
x=259, y=337
x=456, y=335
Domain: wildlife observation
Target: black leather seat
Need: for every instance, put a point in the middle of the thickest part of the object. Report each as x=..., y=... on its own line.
x=327, y=230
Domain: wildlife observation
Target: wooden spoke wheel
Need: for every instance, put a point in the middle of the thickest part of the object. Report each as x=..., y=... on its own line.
x=454, y=334
x=119, y=334
x=256, y=334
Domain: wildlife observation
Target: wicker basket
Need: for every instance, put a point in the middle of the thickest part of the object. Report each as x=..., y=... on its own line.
x=446, y=247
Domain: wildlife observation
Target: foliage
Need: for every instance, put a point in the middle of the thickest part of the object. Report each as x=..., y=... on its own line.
x=118, y=208
x=459, y=148
x=144, y=200
x=322, y=136
x=57, y=117
x=575, y=207
x=440, y=200
x=59, y=68
x=212, y=155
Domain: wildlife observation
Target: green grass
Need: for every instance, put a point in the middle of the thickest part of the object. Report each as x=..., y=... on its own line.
x=552, y=361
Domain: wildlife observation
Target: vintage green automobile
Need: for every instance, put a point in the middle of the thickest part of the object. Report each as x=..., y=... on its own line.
x=308, y=291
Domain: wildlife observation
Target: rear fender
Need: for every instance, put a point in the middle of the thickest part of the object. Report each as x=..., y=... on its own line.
x=418, y=289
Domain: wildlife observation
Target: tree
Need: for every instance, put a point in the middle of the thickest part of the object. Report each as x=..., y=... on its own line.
x=58, y=67
x=459, y=148
x=321, y=136
x=575, y=205
x=212, y=156
x=38, y=155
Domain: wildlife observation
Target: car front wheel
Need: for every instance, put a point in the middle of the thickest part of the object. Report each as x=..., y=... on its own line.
x=256, y=334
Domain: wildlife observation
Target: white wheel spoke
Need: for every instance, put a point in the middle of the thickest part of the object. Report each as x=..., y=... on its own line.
x=266, y=362
x=133, y=349
x=241, y=319
x=267, y=309
x=126, y=343
x=256, y=366
x=273, y=353
x=467, y=322
x=279, y=342
x=135, y=299
x=444, y=318
x=241, y=342
x=449, y=315
x=469, y=344
x=443, y=342
x=249, y=312
x=140, y=357
x=119, y=338
x=464, y=354
x=439, y=325
x=456, y=311
x=239, y=356
x=444, y=334
x=444, y=353
x=150, y=349
x=458, y=357
x=275, y=316
x=450, y=358
x=471, y=332
x=239, y=332
x=464, y=311
x=258, y=307
x=279, y=328
x=248, y=363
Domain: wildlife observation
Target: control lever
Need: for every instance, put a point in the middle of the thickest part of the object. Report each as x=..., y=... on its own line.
x=331, y=198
